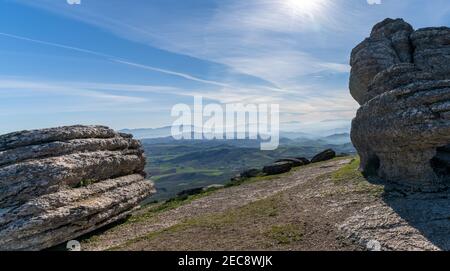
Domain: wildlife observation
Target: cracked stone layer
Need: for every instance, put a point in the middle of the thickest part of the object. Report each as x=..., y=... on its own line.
x=401, y=78
x=57, y=184
x=413, y=222
x=387, y=45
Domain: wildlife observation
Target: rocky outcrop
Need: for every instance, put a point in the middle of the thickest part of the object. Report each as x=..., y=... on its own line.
x=294, y=162
x=417, y=221
x=277, y=168
x=60, y=183
x=401, y=78
x=324, y=156
x=304, y=160
x=251, y=173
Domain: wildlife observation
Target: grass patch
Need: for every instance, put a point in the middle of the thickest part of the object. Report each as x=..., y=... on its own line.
x=271, y=177
x=258, y=210
x=85, y=183
x=350, y=174
x=256, y=179
x=286, y=233
x=155, y=208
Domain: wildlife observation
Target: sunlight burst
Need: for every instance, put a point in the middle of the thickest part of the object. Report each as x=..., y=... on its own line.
x=309, y=8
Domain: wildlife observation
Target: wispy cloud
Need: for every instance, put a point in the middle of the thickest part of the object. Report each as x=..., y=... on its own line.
x=259, y=38
x=271, y=40
x=182, y=75
x=68, y=89
x=116, y=60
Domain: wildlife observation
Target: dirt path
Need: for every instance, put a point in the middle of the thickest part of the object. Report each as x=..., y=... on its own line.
x=218, y=202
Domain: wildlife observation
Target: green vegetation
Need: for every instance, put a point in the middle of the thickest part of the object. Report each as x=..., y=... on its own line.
x=286, y=233
x=259, y=178
x=256, y=211
x=176, y=166
x=350, y=174
x=85, y=183
x=153, y=209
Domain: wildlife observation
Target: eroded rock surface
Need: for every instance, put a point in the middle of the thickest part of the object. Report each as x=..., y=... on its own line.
x=417, y=221
x=277, y=168
x=60, y=183
x=324, y=156
x=401, y=78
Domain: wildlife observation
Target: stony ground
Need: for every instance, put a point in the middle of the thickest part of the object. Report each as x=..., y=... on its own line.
x=316, y=207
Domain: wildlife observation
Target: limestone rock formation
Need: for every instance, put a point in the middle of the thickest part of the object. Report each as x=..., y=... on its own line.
x=304, y=160
x=416, y=221
x=254, y=172
x=324, y=156
x=277, y=168
x=60, y=183
x=293, y=161
x=401, y=78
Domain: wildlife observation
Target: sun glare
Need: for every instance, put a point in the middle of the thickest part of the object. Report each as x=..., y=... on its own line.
x=306, y=7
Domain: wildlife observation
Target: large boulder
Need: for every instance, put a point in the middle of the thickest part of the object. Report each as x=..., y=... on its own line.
x=251, y=173
x=324, y=156
x=190, y=192
x=402, y=129
x=304, y=160
x=294, y=161
x=277, y=168
x=60, y=183
x=387, y=45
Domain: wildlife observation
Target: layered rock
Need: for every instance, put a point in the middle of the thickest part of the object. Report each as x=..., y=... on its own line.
x=57, y=184
x=401, y=78
x=293, y=161
x=277, y=168
x=324, y=156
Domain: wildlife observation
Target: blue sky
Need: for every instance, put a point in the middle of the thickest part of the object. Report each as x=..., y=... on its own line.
x=126, y=63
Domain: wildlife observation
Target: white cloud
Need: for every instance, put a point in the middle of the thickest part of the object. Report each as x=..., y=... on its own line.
x=60, y=88
x=259, y=38
x=266, y=39
x=132, y=98
x=115, y=59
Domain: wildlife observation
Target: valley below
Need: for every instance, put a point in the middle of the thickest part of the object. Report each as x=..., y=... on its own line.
x=179, y=165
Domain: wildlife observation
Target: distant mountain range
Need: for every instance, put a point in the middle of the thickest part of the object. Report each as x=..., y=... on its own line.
x=334, y=136
x=177, y=165
x=338, y=138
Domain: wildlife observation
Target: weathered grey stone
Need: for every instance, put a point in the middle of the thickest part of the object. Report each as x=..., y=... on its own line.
x=294, y=161
x=387, y=45
x=404, y=119
x=277, y=168
x=417, y=221
x=324, y=156
x=304, y=160
x=58, y=148
x=254, y=172
x=33, y=137
x=57, y=184
x=432, y=49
